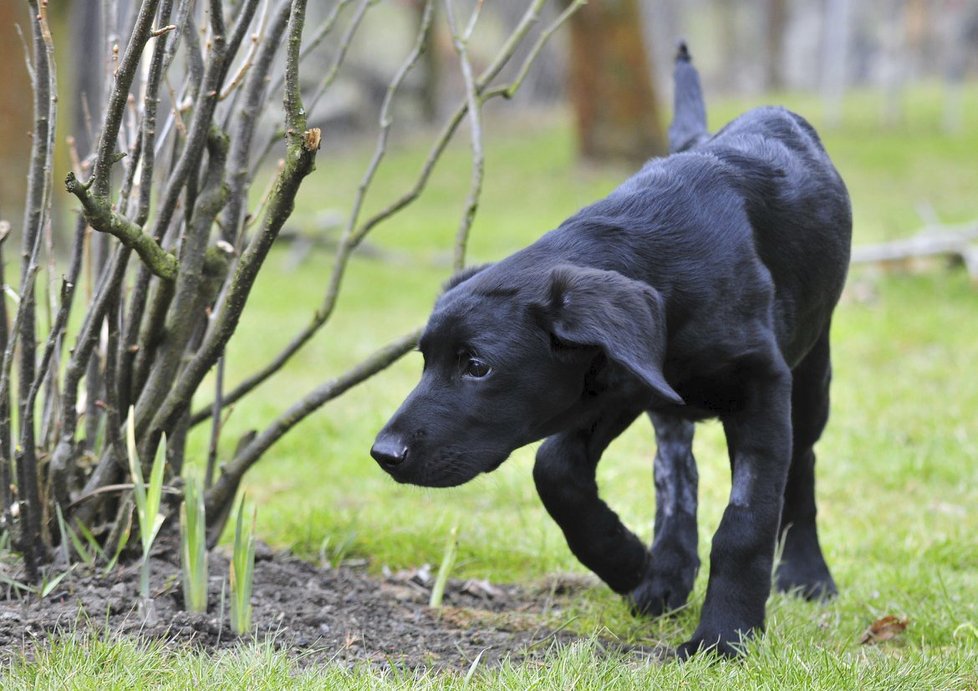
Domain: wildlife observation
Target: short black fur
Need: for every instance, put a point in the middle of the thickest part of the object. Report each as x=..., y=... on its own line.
x=702, y=287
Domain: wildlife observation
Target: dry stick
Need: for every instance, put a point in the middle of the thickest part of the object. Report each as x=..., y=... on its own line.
x=6, y=445
x=299, y=162
x=105, y=153
x=247, y=116
x=36, y=214
x=475, y=124
x=222, y=493
x=386, y=122
x=163, y=52
x=322, y=32
x=353, y=235
x=341, y=51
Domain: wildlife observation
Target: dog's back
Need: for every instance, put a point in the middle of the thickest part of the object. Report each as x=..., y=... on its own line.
x=756, y=209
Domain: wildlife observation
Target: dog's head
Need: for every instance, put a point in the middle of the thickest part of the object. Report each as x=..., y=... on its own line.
x=513, y=356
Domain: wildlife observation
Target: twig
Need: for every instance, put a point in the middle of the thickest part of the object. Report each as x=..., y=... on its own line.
x=341, y=51
x=299, y=162
x=354, y=234
x=247, y=116
x=321, y=32
x=36, y=214
x=102, y=218
x=199, y=126
x=475, y=123
x=126, y=72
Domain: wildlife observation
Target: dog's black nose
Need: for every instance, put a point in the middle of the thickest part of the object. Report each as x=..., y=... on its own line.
x=389, y=451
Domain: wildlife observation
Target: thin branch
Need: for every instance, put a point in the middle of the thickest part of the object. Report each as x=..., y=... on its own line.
x=245, y=14
x=321, y=32
x=105, y=153
x=102, y=218
x=354, y=234
x=509, y=90
x=6, y=439
x=475, y=123
x=386, y=122
x=36, y=215
x=341, y=50
x=299, y=162
x=239, y=74
x=247, y=116
x=226, y=485
x=189, y=158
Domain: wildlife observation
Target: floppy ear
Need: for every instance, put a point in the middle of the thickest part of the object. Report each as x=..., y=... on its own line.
x=623, y=317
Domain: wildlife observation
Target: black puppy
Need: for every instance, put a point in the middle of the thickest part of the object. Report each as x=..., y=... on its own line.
x=702, y=287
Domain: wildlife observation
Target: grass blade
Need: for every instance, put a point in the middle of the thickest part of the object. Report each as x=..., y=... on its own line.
x=69, y=535
x=447, y=563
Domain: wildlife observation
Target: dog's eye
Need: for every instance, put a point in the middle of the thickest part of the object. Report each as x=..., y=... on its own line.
x=475, y=368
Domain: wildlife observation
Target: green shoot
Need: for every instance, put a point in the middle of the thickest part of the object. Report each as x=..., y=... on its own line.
x=242, y=570
x=121, y=544
x=93, y=544
x=67, y=534
x=147, y=498
x=447, y=563
x=193, y=547
x=45, y=588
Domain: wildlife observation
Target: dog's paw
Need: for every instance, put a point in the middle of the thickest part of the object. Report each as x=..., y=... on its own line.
x=659, y=594
x=810, y=583
x=803, y=571
x=667, y=582
x=725, y=644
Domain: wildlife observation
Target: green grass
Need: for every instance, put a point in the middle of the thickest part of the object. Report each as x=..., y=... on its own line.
x=898, y=477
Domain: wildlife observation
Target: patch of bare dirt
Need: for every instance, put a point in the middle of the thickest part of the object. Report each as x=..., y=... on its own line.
x=339, y=615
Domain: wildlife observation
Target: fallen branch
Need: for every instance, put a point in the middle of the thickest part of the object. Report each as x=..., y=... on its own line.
x=956, y=242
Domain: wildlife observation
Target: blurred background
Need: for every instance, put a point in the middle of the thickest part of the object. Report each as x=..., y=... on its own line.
x=892, y=87
x=609, y=70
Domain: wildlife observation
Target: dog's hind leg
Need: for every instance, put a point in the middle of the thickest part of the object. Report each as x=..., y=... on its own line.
x=565, y=479
x=802, y=565
x=671, y=571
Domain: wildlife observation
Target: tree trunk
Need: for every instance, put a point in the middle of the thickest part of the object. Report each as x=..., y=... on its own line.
x=610, y=84
x=776, y=24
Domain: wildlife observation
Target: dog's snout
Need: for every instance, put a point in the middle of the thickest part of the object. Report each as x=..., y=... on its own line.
x=389, y=451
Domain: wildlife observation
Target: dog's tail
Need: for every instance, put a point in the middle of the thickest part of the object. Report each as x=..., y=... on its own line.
x=688, y=126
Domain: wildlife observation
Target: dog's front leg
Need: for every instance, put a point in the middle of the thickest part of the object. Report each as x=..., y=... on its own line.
x=759, y=443
x=565, y=478
x=671, y=570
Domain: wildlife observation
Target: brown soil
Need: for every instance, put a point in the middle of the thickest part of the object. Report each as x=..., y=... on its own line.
x=339, y=615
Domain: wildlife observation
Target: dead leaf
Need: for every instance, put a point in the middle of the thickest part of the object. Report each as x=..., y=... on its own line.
x=884, y=629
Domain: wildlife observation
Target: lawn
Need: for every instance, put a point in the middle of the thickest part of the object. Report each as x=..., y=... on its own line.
x=898, y=473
